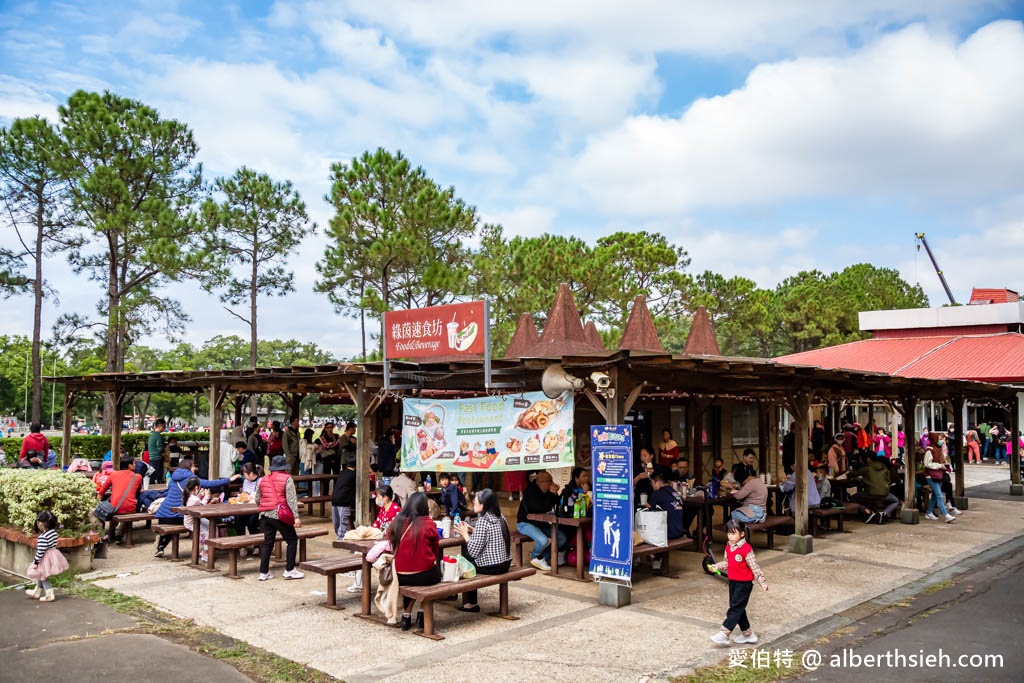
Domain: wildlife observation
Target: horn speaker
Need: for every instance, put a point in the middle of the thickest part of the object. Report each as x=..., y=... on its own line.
x=556, y=380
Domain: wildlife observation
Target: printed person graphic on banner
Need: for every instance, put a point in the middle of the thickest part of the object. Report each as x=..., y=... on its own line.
x=607, y=530
x=616, y=537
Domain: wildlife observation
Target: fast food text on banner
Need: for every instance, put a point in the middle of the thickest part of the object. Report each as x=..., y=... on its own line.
x=450, y=330
x=496, y=433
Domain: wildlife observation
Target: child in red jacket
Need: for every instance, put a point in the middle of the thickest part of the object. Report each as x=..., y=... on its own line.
x=743, y=571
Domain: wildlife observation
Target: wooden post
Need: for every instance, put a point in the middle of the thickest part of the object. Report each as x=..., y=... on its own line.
x=1015, y=486
x=65, y=444
x=115, y=435
x=957, y=450
x=362, y=458
x=800, y=406
x=765, y=408
x=909, y=513
x=214, y=396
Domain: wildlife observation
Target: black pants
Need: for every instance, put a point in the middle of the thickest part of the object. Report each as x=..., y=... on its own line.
x=271, y=527
x=469, y=597
x=247, y=524
x=426, y=578
x=169, y=521
x=739, y=596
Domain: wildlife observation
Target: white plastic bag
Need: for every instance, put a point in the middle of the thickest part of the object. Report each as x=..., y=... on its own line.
x=652, y=525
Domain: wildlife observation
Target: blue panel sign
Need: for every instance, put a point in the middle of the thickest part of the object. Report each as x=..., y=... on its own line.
x=611, y=555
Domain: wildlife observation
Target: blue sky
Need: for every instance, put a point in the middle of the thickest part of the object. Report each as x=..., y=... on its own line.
x=765, y=138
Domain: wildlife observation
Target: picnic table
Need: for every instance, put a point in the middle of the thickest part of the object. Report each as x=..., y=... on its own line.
x=213, y=512
x=363, y=547
x=311, y=478
x=840, y=486
x=554, y=521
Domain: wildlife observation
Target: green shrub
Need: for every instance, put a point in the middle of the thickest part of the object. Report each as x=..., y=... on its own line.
x=26, y=493
x=94, y=447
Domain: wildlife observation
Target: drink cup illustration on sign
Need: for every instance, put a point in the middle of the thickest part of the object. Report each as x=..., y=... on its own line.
x=461, y=339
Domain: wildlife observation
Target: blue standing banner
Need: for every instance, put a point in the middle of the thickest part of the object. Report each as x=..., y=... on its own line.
x=611, y=555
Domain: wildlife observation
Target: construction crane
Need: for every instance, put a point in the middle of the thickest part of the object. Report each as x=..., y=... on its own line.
x=942, y=278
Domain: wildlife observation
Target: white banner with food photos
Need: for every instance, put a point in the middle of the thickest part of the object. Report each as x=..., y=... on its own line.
x=497, y=433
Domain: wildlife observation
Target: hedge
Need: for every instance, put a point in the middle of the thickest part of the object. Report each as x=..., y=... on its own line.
x=93, y=447
x=26, y=493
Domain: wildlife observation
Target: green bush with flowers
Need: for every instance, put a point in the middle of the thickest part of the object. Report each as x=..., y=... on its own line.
x=26, y=493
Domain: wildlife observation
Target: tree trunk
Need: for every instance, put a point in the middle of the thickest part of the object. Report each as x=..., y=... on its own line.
x=253, y=340
x=113, y=330
x=37, y=313
x=362, y=316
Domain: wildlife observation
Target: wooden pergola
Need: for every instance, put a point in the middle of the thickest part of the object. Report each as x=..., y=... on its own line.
x=693, y=380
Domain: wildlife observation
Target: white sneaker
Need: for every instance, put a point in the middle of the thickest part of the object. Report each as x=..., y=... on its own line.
x=354, y=589
x=950, y=519
x=751, y=639
x=561, y=557
x=293, y=574
x=266, y=577
x=656, y=565
x=540, y=563
x=955, y=511
x=720, y=638
x=929, y=515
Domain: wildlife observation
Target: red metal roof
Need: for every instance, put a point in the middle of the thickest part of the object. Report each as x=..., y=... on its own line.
x=982, y=295
x=988, y=358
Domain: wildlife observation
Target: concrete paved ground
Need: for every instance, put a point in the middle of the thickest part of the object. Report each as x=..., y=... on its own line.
x=562, y=634
x=83, y=641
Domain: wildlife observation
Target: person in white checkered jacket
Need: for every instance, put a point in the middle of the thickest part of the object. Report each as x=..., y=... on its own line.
x=487, y=543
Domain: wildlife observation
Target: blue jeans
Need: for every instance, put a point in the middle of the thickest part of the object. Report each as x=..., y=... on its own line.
x=1000, y=453
x=936, y=498
x=747, y=519
x=541, y=540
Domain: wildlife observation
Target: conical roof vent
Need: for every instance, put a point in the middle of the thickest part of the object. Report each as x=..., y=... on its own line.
x=593, y=335
x=701, y=340
x=639, y=333
x=525, y=337
x=563, y=333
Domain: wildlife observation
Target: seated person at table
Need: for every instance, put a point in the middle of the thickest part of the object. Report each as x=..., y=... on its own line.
x=108, y=456
x=175, y=498
x=195, y=495
x=249, y=524
x=245, y=455
x=682, y=466
x=668, y=499
x=387, y=511
x=487, y=542
x=34, y=449
x=403, y=486
x=123, y=483
x=876, y=477
x=540, y=497
x=102, y=475
x=822, y=482
x=578, y=485
x=753, y=494
x=452, y=499
x=789, y=486
x=642, y=480
x=746, y=463
x=417, y=551
x=343, y=498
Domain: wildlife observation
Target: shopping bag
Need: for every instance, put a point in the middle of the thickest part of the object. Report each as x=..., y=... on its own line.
x=653, y=527
x=451, y=572
x=467, y=567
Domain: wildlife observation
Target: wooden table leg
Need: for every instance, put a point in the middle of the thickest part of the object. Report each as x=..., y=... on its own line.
x=128, y=535
x=366, y=589
x=196, y=525
x=579, y=552
x=553, y=548
x=503, y=599
x=332, y=591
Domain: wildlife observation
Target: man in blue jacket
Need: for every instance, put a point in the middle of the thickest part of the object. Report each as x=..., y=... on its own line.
x=175, y=487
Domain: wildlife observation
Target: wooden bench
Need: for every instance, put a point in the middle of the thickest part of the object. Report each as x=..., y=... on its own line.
x=130, y=519
x=233, y=544
x=426, y=595
x=646, y=549
x=313, y=500
x=823, y=515
x=175, y=531
x=331, y=567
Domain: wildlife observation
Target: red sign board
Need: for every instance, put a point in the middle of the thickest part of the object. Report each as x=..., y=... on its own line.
x=451, y=330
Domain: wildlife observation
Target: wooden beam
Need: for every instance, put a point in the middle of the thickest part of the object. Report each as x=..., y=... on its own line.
x=65, y=444
x=956, y=448
x=633, y=396
x=908, y=407
x=115, y=435
x=215, y=396
x=363, y=442
x=1015, y=432
x=597, y=404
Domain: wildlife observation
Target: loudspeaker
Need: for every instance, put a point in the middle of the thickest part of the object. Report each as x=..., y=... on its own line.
x=556, y=380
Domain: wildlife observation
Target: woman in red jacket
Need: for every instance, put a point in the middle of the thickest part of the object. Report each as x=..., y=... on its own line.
x=417, y=551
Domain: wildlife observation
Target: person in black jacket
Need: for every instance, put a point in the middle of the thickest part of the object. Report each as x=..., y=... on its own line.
x=789, y=449
x=540, y=497
x=343, y=498
x=387, y=452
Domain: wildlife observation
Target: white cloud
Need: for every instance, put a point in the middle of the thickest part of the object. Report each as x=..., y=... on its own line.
x=362, y=48
x=524, y=221
x=20, y=99
x=912, y=113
